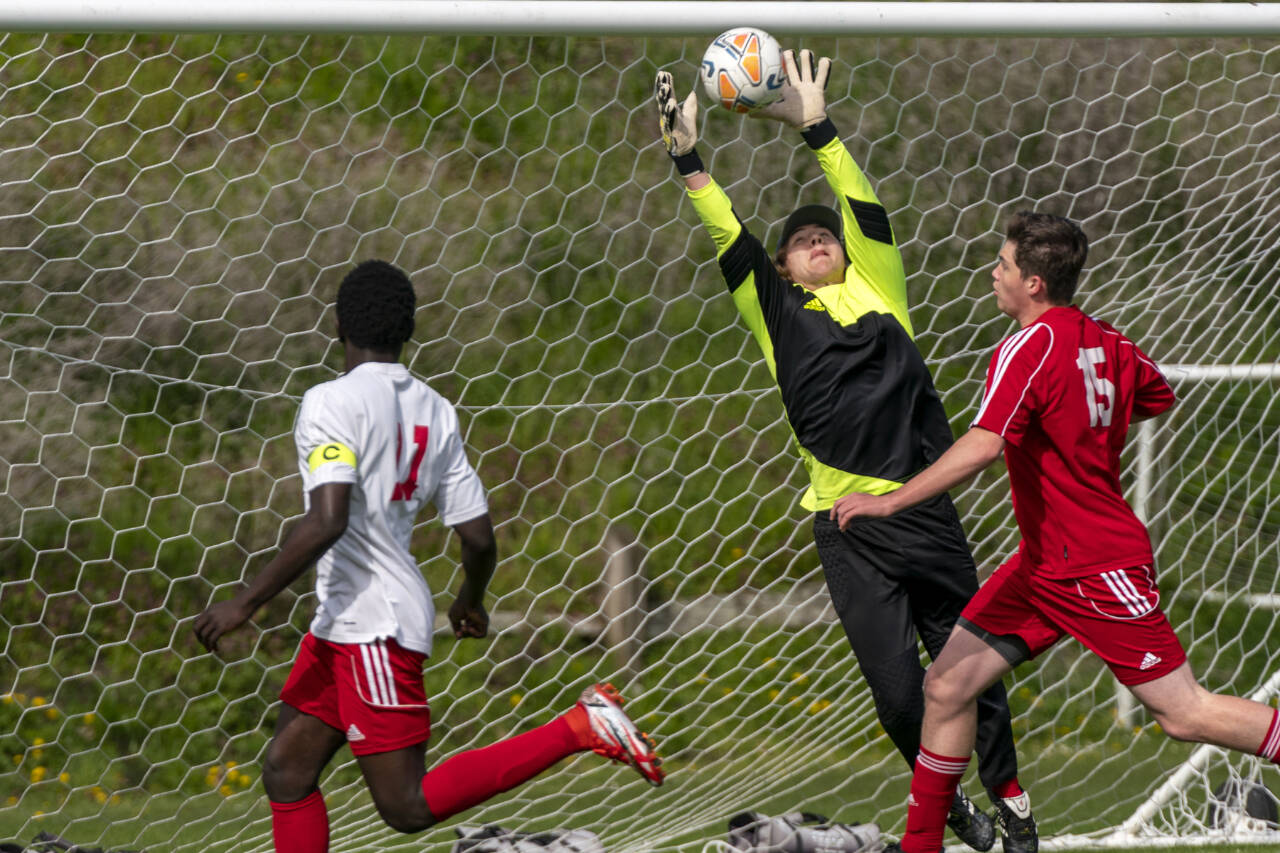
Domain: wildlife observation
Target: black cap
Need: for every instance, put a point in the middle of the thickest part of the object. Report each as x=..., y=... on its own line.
x=812, y=214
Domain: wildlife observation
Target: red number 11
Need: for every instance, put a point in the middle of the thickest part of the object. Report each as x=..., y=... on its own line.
x=404, y=491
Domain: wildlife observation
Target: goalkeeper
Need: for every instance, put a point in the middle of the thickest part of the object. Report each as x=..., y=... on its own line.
x=829, y=310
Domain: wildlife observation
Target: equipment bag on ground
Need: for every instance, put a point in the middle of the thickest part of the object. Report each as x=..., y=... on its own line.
x=801, y=832
x=492, y=838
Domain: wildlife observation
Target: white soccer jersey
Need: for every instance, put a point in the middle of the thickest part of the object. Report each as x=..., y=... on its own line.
x=397, y=442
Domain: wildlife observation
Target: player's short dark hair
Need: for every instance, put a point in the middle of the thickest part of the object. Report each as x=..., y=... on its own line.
x=1052, y=247
x=375, y=306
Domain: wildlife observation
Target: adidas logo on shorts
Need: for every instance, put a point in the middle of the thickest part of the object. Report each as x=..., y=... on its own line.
x=353, y=733
x=1148, y=660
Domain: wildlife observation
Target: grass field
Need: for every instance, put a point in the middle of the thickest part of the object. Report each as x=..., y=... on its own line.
x=177, y=211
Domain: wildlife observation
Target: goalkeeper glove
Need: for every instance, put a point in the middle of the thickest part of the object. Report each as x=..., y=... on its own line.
x=678, y=123
x=803, y=103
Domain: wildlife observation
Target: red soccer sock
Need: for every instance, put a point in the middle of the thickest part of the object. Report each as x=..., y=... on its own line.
x=1007, y=790
x=1271, y=743
x=471, y=777
x=301, y=827
x=933, y=789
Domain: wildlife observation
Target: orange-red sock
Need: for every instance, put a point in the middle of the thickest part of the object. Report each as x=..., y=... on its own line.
x=469, y=778
x=301, y=827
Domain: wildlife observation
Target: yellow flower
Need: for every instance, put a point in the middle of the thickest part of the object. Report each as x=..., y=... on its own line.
x=37, y=773
x=726, y=691
x=770, y=663
x=13, y=800
x=225, y=790
x=115, y=799
x=799, y=677
x=7, y=698
x=38, y=701
x=773, y=694
x=51, y=713
x=231, y=765
x=245, y=781
x=737, y=552
x=516, y=699
x=38, y=741
x=64, y=778
x=242, y=76
x=819, y=706
x=90, y=718
x=233, y=776
x=99, y=794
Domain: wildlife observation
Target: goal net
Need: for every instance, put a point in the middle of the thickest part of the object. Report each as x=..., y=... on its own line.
x=176, y=212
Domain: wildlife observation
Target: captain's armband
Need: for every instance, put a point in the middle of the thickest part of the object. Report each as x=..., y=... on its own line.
x=334, y=451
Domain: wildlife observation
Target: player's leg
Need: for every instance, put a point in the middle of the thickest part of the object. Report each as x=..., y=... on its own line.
x=1116, y=614
x=870, y=568
x=965, y=667
x=1001, y=626
x=859, y=564
x=296, y=756
x=1186, y=711
x=944, y=582
x=411, y=800
x=305, y=739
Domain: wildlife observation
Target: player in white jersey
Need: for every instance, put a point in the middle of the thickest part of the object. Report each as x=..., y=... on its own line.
x=374, y=446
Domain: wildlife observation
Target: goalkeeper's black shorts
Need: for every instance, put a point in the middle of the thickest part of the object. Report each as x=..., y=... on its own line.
x=893, y=579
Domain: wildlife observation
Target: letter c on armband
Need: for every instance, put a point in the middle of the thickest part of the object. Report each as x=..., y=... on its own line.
x=332, y=452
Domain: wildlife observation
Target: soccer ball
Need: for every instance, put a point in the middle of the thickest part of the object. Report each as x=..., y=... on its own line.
x=742, y=69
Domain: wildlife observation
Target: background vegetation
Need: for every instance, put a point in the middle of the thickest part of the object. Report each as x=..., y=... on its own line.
x=176, y=214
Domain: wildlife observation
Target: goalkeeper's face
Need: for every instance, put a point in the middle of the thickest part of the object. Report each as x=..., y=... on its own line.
x=813, y=257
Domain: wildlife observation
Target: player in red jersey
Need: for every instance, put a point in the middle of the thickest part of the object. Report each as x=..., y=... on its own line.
x=357, y=678
x=1060, y=396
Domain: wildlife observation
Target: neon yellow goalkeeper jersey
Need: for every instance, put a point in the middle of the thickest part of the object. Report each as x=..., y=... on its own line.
x=858, y=396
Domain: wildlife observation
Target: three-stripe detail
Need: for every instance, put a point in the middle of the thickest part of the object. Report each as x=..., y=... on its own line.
x=1127, y=594
x=942, y=764
x=379, y=677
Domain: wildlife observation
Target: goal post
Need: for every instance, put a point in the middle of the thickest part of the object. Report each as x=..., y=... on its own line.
x=183, y=186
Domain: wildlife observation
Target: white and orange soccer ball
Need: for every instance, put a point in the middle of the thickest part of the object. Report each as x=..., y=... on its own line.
x=742, y=69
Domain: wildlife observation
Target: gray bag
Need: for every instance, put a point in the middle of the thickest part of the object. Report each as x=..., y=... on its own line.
x=492, y=838
x=801, y=832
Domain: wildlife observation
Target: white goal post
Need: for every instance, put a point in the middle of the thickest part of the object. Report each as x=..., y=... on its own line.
x=182, y=186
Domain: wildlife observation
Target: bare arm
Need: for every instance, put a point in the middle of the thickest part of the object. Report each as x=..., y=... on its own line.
x=324, y=523
x=973, y=452
x=479, y=557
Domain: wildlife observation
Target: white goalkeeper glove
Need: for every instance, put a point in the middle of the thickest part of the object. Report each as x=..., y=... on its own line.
x=678, y=123
x=804, y=102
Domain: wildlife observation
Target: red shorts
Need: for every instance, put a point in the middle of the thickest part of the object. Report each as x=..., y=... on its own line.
x=371, y=691
x=1115, y=614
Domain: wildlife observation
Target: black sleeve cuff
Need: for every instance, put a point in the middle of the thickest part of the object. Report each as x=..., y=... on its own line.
x=688, y=164
x=820, y=134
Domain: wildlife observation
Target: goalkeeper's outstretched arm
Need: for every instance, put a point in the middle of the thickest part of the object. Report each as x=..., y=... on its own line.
x=324, y=523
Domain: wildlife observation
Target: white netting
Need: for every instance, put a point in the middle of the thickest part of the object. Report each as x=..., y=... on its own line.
x=175, y=215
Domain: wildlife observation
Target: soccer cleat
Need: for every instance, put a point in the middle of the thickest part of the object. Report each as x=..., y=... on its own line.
x=970, y=825
x=614, y=736
x=1017, y=824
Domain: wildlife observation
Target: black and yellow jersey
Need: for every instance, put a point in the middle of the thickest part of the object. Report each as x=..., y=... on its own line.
x=858, y=396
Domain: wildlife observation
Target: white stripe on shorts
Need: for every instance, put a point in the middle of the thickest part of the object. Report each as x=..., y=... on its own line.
x=371, y=674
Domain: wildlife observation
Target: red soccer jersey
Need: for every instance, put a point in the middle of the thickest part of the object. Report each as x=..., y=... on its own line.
x=1062, y=392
